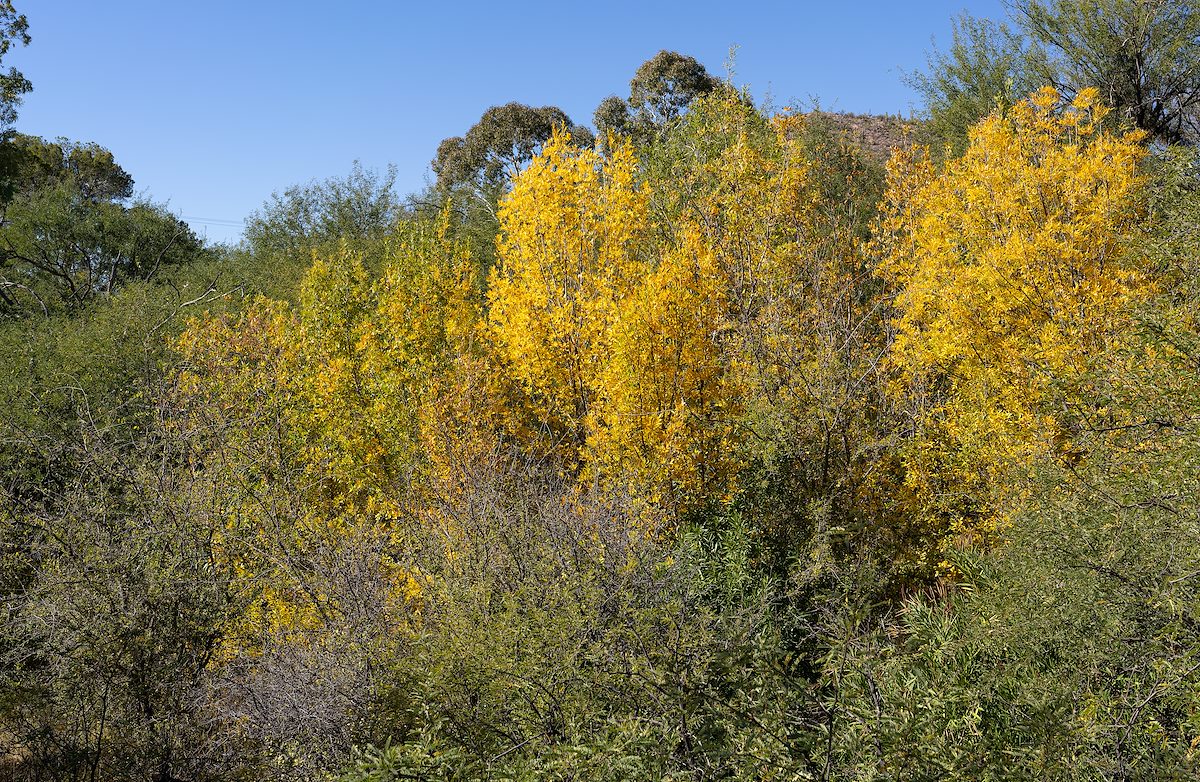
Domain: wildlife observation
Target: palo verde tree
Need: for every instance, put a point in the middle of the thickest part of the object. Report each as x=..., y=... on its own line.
x=1143, y=57
x=986, y=66
x=358, y=210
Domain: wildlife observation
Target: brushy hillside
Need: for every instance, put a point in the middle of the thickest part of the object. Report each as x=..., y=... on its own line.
x=719, y=445
x=877, y=135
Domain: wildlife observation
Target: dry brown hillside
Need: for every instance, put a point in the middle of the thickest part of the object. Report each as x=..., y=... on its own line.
x=875, y=134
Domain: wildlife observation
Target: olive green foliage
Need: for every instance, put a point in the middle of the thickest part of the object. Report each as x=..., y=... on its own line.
x=1068, y=653
x=90, y=288
x=547, y=639
x=114, y=608
x=68, y=236
x=36, y=163
x=666, y=84
x=360, y=207
x=499, y=145
x=562, y=642
x=1143, y=56
x=357, y=210
x=14, y=29
x=1173, y=248
x=612, y=115
x=986, y=66
x=659, y=93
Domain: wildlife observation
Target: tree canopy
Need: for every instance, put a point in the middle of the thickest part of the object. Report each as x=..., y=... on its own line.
x=1142, y=55
x=500, y=144
x=659, y=92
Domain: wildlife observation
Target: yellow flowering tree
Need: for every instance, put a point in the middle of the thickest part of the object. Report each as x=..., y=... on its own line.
x=573, y=241
x=1009, y=277
x=661, y=420
x=315, y=417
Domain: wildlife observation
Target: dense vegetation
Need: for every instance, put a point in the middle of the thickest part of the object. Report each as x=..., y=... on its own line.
x=706, y=445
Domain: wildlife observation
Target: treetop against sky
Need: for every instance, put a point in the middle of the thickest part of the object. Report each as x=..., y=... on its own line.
x=211, y=109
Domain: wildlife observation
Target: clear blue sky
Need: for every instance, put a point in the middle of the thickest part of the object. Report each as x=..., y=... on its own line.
x=212, y=106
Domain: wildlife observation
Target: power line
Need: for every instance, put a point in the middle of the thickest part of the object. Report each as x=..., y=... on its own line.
x=214, y=221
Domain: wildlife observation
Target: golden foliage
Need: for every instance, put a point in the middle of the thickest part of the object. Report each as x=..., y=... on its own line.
x=662, y=331
x=1009, y=274
x=573, y=235
x=316, y=414
x=662, y=412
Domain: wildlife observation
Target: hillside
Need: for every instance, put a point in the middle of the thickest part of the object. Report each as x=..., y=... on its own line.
x=875, y=134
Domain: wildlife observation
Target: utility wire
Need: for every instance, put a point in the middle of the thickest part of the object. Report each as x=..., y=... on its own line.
x=214, y=221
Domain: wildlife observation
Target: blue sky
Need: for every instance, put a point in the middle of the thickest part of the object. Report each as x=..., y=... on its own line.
x=212, y=106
